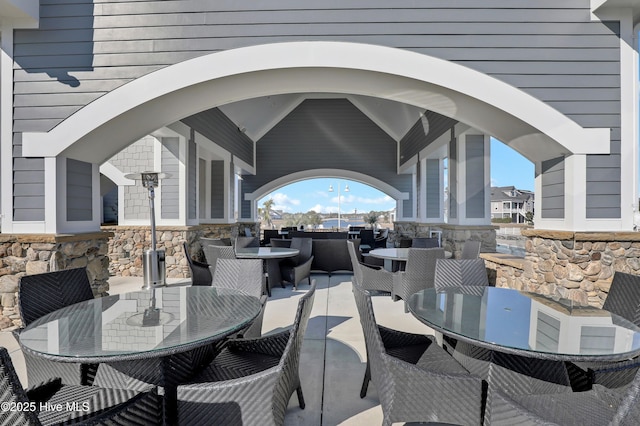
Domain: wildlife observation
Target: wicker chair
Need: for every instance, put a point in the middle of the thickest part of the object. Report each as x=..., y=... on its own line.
x=369, y=277
x=624, y=300
x=416, y=380
x=242, y=242
x=251, y=381
x=41, y=294
x=215, y=241
x=423, y=242
x=245, y=275
x=367, y=240
x=213, y=253
x=599, y=406
x=470, y=250
x=94, y=405
x=296, y=269
x=268, y=235
x=419, y=272
x=459, y=273
x=200, y=273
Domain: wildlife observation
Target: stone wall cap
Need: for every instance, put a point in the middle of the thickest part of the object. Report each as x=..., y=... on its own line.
x=551, y=234
x=54, y=238
x=504, y=259
x=581, y=236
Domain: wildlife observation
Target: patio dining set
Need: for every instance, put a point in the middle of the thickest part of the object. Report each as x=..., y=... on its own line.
x=195, y=354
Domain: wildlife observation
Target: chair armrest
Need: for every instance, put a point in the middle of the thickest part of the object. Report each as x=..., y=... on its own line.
x=271, y=344
x=44, y=391
x=394, y=338
x=374, y=267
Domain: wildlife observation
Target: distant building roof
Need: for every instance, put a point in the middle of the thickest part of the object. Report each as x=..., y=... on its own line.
x=510, y=193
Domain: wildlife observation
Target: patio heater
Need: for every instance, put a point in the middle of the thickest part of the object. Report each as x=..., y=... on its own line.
x=153, y=260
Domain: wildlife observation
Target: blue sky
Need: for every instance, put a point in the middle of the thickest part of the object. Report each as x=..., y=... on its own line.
x=507, y=168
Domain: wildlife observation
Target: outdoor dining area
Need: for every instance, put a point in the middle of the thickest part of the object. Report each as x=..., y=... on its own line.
x=432, y=341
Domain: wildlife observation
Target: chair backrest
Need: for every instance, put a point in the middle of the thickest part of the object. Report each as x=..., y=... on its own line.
x=355, y=263
x=214, y=253
x=470, y=249
x=242, y=242
x=404, y=243
x=240, y=274
x=281, y=242
x=624, y=297
x=270, y=234
x=422, y=242
x=380, y=374
x=290, y=361
x=11, y=391
x=460, y=273
x=366, y=237
x=305, y=246
x=215, y=241
x=41, y=294
x=200, y=273
x=420, y=270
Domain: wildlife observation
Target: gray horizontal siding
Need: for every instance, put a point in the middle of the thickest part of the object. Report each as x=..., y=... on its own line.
x=432, y=174
x=79, y=191
x=86, y=48
x=474, y=176
x=329, y=134
x=415, y=140
x=216, y=126
x=553, y=179
x=217, y=189
x=28, y=189
x=170, y=205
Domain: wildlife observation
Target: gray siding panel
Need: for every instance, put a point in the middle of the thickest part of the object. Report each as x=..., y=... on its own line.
x=170, y=186
x=216, y=126
x=79, y=191
x=326, y=134
x=453, y=177
x=217, y=189
x=475, y=188
x=553, y=188
x=432, y=173
x=192, y=180
x=28, y=189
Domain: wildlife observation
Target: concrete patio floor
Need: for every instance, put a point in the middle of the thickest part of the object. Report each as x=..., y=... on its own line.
x=333, y=355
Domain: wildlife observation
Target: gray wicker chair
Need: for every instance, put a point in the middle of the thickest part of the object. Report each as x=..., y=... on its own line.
x=200, y=273
x=460, y=273
x=367, y=240
x=94, y=405
x=40, y=294
x=416, y=380
x=251, y=381
x=422, y=242
x=213, y=253
x=369, y=277
x=215, y=241
x=242, y=242
x=244, y=275
x=624, y=300
x=599, y=406
x=470, y=250
x=418, y=274
x=296, y=269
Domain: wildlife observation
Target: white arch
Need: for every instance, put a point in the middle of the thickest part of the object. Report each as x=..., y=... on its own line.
x=111, y=122
x=325, y=173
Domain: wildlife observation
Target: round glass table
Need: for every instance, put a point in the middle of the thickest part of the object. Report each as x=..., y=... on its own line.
x=159, y=337
x=141, y=324
x=527, y=324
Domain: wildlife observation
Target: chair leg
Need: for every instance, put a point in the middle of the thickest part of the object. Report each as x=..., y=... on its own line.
x=365, y=382
x=300, y=397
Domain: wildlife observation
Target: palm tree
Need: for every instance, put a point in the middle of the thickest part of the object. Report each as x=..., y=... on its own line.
x=265, y=213
x=371, y=218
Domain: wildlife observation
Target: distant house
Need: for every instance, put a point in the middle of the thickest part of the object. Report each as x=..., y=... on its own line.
x=508, y=201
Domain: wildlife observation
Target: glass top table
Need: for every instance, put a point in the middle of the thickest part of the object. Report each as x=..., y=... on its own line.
x=527, y=324
x=141, y=324
x=266, y=252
